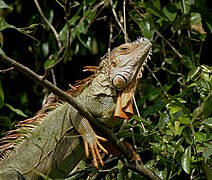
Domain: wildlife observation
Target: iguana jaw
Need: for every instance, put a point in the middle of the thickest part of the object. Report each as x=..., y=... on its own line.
x=125, y=79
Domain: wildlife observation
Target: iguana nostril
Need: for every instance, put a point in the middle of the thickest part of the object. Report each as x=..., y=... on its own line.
x=119, y=81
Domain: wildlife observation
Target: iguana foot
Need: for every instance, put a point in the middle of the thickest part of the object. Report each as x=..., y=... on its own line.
x=91, y=141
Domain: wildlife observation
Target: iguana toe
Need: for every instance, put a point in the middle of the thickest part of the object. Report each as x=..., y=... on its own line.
x=92, y=143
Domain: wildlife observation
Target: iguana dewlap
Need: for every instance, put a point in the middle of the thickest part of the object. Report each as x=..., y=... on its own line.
x=124, y=107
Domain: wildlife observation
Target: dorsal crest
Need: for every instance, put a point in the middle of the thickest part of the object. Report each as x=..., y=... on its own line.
x=14, y=137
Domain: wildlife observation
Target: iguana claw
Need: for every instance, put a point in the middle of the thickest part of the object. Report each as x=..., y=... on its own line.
x=92, y=141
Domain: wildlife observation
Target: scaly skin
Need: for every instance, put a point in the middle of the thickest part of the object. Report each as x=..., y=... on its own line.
x=55, y=146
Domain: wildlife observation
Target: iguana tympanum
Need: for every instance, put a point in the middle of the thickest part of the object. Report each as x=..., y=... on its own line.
x=53, y=144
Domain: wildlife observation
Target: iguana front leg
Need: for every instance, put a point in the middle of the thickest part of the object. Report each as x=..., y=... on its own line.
x=90, y=139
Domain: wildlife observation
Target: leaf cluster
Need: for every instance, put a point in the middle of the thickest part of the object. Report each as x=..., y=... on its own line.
x=171, y=130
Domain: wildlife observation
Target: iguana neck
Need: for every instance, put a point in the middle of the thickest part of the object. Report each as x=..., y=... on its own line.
x=100, y=85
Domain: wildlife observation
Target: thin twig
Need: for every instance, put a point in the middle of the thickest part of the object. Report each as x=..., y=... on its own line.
x=157, y=80
x=5, y=70
x=141, y=168
x=169, y=71
x=138, y=113
x=110, y=39
x=172, y=47
x=116, y=17
x=125, y=26
x=104, y=3
x=84, y=17
x=53, y=77
x=67, y=13
x=57, y=37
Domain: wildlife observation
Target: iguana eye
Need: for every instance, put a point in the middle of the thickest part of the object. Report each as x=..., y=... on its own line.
x=113, y=64
x=124, y=49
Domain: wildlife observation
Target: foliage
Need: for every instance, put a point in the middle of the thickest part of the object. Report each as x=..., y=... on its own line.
x=172, y=128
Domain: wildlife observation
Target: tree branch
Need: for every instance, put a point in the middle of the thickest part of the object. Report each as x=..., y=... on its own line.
x=82, y=109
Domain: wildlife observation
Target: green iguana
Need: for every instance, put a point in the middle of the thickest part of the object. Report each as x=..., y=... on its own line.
x=52, y=142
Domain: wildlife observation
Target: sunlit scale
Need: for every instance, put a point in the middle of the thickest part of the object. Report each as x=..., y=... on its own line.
x=119, y=81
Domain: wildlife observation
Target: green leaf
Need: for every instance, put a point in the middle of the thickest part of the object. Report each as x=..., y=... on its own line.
x=151, y=95
x=179, y=103
x=209, y=21
x=206, y=68
x=205, y=85
x=164, y=120
x=154, y=10
x=45, y=49
x=205, y=76
x=143, y=23
x=207, y=170
x=90, y=15
x=187, y=62
x=181, y=22
x=186, y=160
x=208, y=152
x=177, y=126
x=49, y=63
x=178, y=146
x=1, y=96
x=139, y=119
x=159, y=104
x=176, y=112
x=197, y=112
x=4, y=5
x=195, y=18
x=133, y=175
x=17, y=111
x=125, y=133
x=82, y=28
x=191, y=21
x=192, y=73
x=196, y=24
x=1, y=40
x=170, y=11
x=2, y=52
x=4, y=24
x=122, y=172
x=5, y=121
x=208, y=122
x=162, y=174
x=87, y=44
x=199, y=136
x=185, y=120
x=207, y=108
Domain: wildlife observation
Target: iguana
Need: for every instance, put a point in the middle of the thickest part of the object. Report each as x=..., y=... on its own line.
x=53, y=143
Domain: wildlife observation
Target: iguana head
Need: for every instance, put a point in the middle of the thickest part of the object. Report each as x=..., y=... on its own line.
x=119, y=70
x=125, y=67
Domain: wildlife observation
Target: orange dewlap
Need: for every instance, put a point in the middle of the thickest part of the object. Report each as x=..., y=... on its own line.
x=124, y=107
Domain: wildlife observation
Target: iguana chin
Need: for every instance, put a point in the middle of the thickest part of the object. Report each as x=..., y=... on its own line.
x=53, y=143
